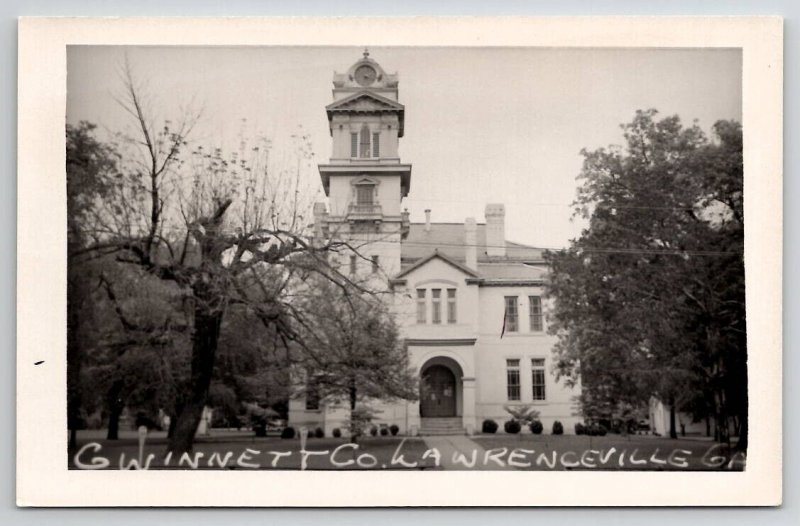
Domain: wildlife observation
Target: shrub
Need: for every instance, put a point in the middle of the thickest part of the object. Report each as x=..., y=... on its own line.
x=394, y=429
x=319, y=432
x=489, y=426
x=558, y=428
x=288, y=432
x=536, y=427
x=337, y=433
x=373, y=431
x=384, y=431
x=596, y=430
x=580, y=429
x=512, y=426
x=524, y=414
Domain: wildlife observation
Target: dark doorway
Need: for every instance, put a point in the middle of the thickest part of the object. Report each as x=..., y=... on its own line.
x=437, y=392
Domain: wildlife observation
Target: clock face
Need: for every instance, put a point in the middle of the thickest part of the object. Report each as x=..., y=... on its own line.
x=365, y=75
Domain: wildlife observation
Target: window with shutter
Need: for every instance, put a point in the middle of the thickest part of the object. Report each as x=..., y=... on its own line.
x=422, y=316
x=436, y=306
x=513, y=380
x=537, y=376
x=376, y=144
x=536, y=316
x=364, y=194
x=364, y=142
x=451, y=305
x=353, y=145
x=511, y=321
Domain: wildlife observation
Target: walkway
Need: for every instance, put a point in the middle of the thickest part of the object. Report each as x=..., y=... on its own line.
x=458, y=452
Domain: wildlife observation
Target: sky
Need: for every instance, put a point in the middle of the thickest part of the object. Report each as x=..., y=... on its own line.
x=482, y=125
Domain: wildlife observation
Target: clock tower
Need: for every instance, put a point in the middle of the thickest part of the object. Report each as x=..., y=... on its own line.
x=365, y=180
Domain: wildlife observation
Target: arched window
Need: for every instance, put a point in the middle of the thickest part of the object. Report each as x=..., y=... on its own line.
x=365, y=137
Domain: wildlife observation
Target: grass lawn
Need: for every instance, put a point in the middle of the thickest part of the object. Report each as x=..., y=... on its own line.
x=611, y=452
x=244, y=451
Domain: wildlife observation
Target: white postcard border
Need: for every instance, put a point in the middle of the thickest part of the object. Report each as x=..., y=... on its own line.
x=42, y=475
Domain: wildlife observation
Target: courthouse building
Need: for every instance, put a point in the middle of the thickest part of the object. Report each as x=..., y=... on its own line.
x=468, y=301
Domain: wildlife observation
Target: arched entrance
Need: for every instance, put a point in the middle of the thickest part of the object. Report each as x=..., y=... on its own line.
x=440, y=382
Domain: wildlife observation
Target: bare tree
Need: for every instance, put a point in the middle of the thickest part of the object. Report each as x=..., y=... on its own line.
x=224, y=229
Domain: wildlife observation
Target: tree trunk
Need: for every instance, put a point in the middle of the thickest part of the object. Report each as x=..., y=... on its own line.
x=115, y=407
x=722, y=419
x=741, y=444
x=743, y=412
x=207, y=322
x=672, y=432
x=172, y=421
x=353, y=393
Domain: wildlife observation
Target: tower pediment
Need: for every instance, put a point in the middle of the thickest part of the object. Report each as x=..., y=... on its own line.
x=367, y=102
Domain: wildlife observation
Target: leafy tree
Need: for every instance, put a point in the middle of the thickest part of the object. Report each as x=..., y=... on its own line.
x=90, y=168
x=352, y=350
x=139, y=349
x=649, y=300
x=252, y=369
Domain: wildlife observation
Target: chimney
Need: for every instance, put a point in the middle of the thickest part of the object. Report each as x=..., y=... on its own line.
x=495, y=230
x=470, y=243
x=428, y=220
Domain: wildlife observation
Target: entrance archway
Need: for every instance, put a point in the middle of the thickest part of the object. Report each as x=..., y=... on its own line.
x=440, y=387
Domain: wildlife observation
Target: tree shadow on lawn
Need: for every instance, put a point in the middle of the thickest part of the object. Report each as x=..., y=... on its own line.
x=612, y=453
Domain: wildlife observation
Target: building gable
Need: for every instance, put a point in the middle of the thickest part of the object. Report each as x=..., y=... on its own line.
x=364, y=101
x=453, y=267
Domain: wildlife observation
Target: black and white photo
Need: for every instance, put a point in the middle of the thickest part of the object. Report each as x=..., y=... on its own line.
x=409, y=259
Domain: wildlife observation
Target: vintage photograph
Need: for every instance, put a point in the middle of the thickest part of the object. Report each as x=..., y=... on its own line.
x=405, y=258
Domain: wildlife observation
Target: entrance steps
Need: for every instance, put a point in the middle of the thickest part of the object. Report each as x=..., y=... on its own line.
x=441, y=426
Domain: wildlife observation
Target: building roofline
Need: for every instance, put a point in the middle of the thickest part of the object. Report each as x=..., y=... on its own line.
x=436, y=254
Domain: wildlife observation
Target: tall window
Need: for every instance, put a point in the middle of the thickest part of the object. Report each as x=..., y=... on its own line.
x=422, y=316
x=353, y=145
x=451, y=305
x=352, y=265
x=537, y=374
x=436, y=306
x=536, y=313
x=364, y=143
x=364, y=194
x=376, y=144
x=512, y=376
x=375, y=265
x=511, y=317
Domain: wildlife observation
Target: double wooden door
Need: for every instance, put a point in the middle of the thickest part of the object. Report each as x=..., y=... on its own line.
x=438, y=392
